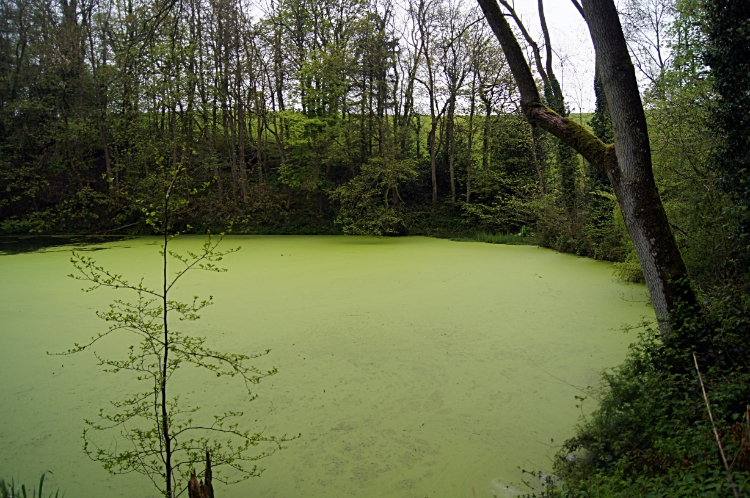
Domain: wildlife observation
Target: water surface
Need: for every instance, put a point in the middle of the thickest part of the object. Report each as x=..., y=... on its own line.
x=412, y=367
x=15, y=244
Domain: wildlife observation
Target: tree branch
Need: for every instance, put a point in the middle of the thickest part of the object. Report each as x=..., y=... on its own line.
x=529, y=40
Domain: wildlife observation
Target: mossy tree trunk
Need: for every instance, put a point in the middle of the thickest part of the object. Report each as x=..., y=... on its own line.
x=627, y=163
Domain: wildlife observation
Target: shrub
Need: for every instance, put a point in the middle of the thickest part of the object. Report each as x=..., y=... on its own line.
x=651, y=434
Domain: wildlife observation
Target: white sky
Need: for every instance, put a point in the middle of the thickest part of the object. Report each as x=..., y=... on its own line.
x=571, y=42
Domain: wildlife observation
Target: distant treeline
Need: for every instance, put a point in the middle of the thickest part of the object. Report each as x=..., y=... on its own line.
x=269, y=116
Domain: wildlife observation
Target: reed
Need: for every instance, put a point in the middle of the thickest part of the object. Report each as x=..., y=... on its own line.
x=14, y=490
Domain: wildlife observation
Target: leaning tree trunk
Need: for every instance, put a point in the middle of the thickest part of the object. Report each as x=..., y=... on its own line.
x=627, y=163
x=633, y=179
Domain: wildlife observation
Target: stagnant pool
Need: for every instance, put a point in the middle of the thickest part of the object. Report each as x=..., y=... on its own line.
x=412, y=367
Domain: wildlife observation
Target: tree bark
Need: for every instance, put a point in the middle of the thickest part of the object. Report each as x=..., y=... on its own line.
x=486, y=134
x=241, y=128
x=627, y=163
x=205, y=488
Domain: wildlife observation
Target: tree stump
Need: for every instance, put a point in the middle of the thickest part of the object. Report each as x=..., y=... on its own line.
x=201, y=489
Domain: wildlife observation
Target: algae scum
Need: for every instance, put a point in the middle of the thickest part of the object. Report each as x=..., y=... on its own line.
x=412, y=367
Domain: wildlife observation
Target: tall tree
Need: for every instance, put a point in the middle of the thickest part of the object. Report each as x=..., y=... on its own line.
x=454, y=48
x=627, y=163
x=425, y=14
x=553, y=96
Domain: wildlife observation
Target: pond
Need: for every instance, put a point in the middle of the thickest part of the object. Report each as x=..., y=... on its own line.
x=412, y=366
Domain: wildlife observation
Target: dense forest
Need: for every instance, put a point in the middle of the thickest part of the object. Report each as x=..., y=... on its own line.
x=311, y=113
x=371, y=117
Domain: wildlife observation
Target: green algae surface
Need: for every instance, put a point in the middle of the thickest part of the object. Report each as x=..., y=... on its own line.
x=412, y=366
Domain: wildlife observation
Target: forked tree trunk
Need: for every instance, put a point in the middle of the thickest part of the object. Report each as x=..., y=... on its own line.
x=627, y=163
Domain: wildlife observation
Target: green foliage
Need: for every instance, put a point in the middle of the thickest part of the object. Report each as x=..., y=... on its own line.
x=576, y=213
x=682, y=139
x=511, y=147
x=698, y=482
x=601, y=122
x=13, y=490
x=566, y=157
x=370, y=203
x=600, y=226
x=501, y=202
x=593, y=228
x=575, y=233
x=728, y=55
x=629, y=270
x=89, y=100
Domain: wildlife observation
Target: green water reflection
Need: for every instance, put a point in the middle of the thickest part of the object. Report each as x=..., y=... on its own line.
x=412, y=367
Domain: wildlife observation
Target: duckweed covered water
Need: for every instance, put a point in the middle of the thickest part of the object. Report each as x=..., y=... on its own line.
x=412, y=367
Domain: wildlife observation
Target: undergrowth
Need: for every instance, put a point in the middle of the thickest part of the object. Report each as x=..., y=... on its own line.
x=651, y=434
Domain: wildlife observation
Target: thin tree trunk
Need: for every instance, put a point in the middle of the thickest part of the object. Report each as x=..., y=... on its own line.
x=259, y=154
x=212, y=150
x=451, y=144
x=433, y=162
x=565, y=155
x=241, y=128
x=242, y=164
x=101, y=107
x=486, y=136
x=229, y=138
x=470, y=139
x=166, y=436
